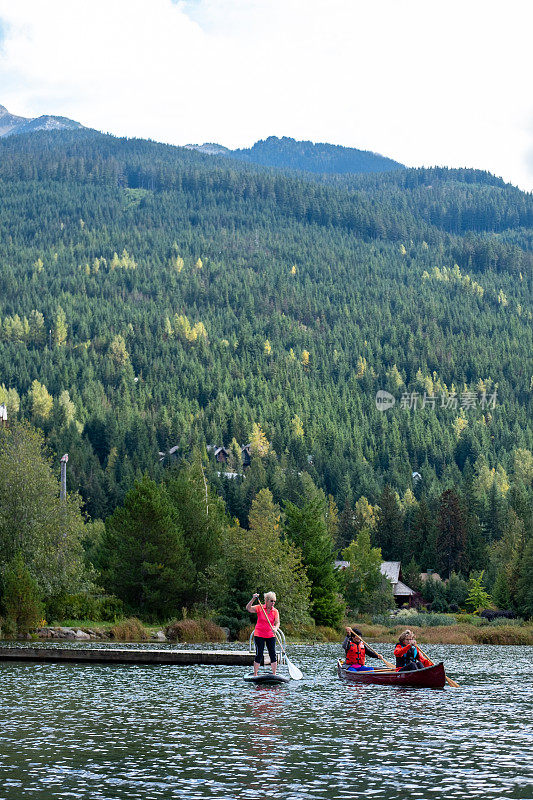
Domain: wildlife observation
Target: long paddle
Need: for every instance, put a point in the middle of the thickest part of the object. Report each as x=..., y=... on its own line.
x=295, y=673
x=387, y=663
x=449, y=681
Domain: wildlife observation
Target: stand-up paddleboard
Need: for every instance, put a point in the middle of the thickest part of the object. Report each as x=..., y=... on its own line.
x=266, y=677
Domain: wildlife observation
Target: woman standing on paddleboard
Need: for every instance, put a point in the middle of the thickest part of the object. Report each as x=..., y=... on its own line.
x=265, y=629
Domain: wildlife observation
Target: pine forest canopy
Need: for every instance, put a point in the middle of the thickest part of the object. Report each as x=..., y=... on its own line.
x=153, y=296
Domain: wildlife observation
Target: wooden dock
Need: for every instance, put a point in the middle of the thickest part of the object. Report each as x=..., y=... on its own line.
x=100, y=655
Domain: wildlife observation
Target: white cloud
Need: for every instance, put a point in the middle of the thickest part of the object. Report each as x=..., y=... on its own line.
x=423, y=82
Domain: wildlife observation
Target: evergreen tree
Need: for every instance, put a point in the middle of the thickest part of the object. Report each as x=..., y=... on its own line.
x=501, y=593
x=456, y=592
x=307, y=529
x=451, y=532
x=475, y=554
x=423, y=536
x=389, y=529
x=524, y=589
x=411, y=575
x=146, y=562
x=346, y=531
x=20, y=597
x=201, y=516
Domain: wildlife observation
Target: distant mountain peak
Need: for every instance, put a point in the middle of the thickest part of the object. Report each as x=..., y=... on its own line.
x=210, y=148
x=11, y=124
x=287, y=153
x=317, y=157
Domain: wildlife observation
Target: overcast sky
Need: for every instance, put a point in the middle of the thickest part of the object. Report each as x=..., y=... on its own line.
x=425, y=82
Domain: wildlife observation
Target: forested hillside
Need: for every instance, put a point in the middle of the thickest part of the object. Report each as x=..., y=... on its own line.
x=288, y=153
x=153, y=297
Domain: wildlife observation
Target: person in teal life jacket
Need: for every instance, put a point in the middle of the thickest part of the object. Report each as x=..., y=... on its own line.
x=356, y=651
x=408, y=657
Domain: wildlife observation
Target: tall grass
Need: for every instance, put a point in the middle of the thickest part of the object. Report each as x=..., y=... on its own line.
x=129, y=630
x=194, y=630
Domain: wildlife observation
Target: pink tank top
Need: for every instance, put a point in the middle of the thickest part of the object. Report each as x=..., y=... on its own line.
x=262, y=627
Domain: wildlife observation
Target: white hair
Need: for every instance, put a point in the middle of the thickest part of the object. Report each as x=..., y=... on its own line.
x=270, y=596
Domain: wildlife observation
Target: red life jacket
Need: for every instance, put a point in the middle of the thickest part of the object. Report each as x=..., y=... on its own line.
x=356, y=653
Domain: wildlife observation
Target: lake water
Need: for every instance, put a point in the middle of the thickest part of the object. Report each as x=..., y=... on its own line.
x=111, y=732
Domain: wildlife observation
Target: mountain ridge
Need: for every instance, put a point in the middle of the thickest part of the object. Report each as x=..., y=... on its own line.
x=305, y=156
x=11, y=124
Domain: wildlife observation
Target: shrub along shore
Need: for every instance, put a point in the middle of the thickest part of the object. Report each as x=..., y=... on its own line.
x=197, y=631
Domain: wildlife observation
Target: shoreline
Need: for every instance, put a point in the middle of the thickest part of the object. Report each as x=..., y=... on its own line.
x=461, y=633
x=458, y=634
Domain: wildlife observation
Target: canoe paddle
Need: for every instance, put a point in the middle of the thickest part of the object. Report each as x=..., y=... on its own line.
x=295, y=673
x=387, y=663
x=449, y=681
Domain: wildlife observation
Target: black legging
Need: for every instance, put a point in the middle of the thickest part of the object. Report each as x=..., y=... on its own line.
x=260, y=646
x=411, y=665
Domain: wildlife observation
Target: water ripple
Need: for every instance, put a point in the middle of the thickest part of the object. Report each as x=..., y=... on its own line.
x=108, y=732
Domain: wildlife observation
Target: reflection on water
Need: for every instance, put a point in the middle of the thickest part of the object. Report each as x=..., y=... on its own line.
x=107, y=732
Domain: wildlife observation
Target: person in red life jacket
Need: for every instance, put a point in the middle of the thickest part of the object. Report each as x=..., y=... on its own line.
x=265, y=633
x=407, y=654
x=356, y=651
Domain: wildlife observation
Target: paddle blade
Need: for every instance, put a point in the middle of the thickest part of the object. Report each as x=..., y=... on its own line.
x=451, y=682
x=295, y=673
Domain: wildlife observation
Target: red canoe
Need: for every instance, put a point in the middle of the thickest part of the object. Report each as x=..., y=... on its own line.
x=429, y=678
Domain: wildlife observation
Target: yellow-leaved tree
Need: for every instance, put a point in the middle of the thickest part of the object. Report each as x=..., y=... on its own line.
x=60, y=328
x=41, y=402
x=297, y=427
x=259, y=444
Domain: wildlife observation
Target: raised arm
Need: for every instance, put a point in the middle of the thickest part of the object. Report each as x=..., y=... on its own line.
x=250, y=604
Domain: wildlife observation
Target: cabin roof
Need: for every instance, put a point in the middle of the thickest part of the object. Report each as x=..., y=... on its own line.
x=391, y=570
x=401, y=590
x=425, y=575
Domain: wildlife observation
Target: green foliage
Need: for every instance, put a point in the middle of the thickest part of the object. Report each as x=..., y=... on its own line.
x=20, y=597
x=456, y=591
x=501, y=592
x=260, y=560
x=452, y=533
x=411, y=575
x=477, y=597
x=524, y=594
x=112, y=285
x=146, y=561
x=390, y=530
x=99, y=608
x=159, y=319
x=34, y=523
x=366, y=590
x=306, y=528
x=201, y=516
